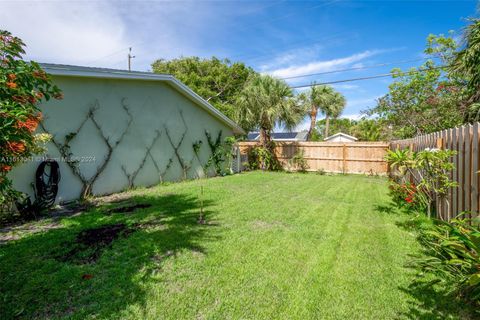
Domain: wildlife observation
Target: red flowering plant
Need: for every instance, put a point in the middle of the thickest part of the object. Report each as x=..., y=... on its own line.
x=407, y=195
x=23, y=85
x=429, y=169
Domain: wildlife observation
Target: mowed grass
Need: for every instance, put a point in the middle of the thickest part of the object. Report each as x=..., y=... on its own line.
x=274, y=246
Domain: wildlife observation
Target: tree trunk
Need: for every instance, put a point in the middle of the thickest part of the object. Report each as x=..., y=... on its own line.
x=313, y=121
x=264, y=137
x=327, y=125
x=265, y=143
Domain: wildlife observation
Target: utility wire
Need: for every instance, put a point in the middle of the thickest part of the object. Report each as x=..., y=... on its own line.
x=369, y=77
x=355, y=68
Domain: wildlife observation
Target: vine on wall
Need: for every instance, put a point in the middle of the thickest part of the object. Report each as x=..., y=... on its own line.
x=66, y=153
x=216, y=158
x=131, y=176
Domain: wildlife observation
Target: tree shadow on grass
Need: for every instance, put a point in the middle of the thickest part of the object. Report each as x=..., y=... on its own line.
x=431, y=301
x=35, y=283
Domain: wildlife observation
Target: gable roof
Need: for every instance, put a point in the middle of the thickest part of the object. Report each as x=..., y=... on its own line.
x=90, y=72
x=279, y=136
x=341, y=134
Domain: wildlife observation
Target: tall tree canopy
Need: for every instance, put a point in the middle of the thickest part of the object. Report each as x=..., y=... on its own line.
x=425, y=99
x=363, y=129
x=217, y=81
x=324, y=99
x=265, y=102
x=467, y=63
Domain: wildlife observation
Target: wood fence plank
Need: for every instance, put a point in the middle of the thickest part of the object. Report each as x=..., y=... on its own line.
x=467, y=168
x=475, y=169
x=461, y=170
x=455, y=171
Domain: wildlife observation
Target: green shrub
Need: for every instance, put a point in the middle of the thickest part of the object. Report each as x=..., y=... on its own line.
x=428, y=169
x=406, y=195
x=452, y=255
x=23, y=86
x=262, y=158
x=299, y=162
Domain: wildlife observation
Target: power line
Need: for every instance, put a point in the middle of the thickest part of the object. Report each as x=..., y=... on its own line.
x=355, y=68
x=368, y=78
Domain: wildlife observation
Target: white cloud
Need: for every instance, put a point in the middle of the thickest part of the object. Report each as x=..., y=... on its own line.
x=65, y=32
x=346, y=86
x=355, y=116
x=363, y=102
x=322, y=66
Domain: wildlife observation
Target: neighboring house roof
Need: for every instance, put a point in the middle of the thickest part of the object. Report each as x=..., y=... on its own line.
x=281, y=136
x=341, y=134
x=89, y=72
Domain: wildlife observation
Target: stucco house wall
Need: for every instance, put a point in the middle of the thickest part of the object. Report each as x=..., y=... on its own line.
x=136, y=113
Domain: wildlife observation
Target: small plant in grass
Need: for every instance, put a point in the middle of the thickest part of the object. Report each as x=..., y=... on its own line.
x=321, y=172
x=452, y=255
x=299, y=162
x=23, y=85
x=429, y=170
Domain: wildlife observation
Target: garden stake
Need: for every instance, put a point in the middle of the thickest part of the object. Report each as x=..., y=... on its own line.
x=201, y=219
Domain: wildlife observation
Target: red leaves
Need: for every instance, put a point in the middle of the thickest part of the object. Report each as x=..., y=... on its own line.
x=30, y=124
x=5, y=168
x=11, y=85
x=16, y=147
x=87, y=276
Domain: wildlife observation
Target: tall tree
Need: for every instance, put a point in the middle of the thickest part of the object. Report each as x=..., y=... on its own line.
x=324, y=99
x=333, y=108
x=424, y=99
x=467, y=63
x=312, y=99
x=217, y=81
x=265, y=102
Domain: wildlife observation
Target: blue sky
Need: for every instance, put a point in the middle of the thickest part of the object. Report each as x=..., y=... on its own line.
x=283, y=38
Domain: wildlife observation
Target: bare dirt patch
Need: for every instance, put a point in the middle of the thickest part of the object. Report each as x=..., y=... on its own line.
x=89, y=244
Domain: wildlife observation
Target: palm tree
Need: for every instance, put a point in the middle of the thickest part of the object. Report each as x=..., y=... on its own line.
x=333, y=108
x=312, y=100
x=324, y=98
x=467, y=63
x=265, y=102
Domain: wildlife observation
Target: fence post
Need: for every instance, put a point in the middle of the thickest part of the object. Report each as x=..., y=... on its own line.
x=344, y=169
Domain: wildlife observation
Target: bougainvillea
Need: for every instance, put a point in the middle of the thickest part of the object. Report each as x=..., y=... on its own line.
x=23, y=85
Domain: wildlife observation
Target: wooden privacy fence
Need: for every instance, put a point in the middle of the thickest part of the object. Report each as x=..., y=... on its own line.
x=354, y=157
x=465, y=142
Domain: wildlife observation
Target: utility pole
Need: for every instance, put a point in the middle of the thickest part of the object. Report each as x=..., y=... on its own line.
x=130, y=57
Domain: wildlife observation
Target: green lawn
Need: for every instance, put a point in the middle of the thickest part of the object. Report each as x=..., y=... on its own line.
x=274, y=246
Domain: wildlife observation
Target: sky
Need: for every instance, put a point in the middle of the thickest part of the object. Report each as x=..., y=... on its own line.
x=281, y=38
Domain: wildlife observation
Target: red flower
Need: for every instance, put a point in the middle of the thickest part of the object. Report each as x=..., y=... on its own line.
x=39, y=95
x=12, y=77
x=20, y=99
x=30, y=124
x=87, y=276
x=11, y=85
x=5, y=168
x=32, y=100
x=17, y=147
x=39, y=74
x=409, y=199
